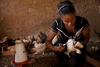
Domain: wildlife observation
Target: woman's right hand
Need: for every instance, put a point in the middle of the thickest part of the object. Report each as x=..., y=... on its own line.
x=60, y=48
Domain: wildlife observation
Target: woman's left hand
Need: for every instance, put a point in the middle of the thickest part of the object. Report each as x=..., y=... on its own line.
x=78, y=45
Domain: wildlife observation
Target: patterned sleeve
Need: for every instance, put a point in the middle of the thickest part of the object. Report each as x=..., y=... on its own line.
x=85, y=23
x=54, y=26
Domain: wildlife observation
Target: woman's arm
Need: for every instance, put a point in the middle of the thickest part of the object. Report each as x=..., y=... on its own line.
x=86, y=35
x=49, y=40
x=49, y=44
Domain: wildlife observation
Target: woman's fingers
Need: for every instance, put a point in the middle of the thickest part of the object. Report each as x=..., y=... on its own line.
x=60, y=47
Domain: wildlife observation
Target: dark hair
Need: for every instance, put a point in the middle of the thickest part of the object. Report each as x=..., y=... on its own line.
x=65, y=7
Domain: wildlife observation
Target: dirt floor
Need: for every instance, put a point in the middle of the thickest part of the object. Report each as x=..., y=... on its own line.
x=47, y=60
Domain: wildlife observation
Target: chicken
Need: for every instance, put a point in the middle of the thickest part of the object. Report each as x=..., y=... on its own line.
x=56, y=38
x=6, y=42
x=40, y=47
x=41, y=37
x=28, y=40
x=39, y=43
x=10, y=51
x=71, y=44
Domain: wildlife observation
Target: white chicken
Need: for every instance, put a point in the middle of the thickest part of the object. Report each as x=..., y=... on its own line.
x=40, y=47
x=56, y=38
x=39, y=44
x=71, y=44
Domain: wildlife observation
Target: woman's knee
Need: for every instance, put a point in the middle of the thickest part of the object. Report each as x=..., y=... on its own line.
x=73, y=54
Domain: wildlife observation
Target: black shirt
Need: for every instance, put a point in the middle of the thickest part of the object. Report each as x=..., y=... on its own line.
x=58, y=26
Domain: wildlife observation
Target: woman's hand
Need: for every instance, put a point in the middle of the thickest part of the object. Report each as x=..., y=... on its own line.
x=60, y=48
x=78, y=45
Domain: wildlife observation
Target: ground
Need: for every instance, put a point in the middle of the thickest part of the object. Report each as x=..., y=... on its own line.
x=49, y=59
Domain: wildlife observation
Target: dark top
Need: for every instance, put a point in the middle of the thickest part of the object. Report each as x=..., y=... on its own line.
x=58, y=26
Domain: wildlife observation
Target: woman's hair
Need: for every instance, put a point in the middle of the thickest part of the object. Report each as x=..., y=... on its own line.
x=65, y=7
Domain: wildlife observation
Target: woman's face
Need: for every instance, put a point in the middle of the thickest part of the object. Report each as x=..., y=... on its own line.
x=69, y=20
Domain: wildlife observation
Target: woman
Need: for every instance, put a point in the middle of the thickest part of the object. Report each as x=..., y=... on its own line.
x=68, y=25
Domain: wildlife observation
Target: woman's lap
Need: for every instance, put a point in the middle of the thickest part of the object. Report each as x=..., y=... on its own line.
x=76, y=59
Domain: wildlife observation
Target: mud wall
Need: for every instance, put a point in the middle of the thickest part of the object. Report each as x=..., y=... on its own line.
x=26, y=17
x=90, y=9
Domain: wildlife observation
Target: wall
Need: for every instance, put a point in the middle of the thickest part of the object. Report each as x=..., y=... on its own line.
x=90, y=9
x=26, y=17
